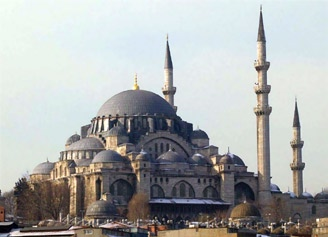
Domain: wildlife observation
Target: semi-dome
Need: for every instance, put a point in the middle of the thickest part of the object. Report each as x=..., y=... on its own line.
x=171, y=157
x=107, y=156
x=43, y=168
x=88, y=143
x=117, y=131
x=101, y=209
x=198, y=134
x=199, y=159
x=133, y=102
x=245, y=210
x=74, y=138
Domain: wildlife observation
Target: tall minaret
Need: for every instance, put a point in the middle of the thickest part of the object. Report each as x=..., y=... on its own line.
x=262, y=112
x=297, y=166
x=168, y=89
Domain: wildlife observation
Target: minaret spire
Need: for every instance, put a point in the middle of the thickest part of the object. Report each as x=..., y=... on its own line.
x=297, y=166
x=168, y=89
x=262, y=112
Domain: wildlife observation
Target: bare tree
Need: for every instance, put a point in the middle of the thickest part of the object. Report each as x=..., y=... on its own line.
x=138, y=207
x=9, y=202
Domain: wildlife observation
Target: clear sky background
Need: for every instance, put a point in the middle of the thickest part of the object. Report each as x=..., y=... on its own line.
x=61, y=60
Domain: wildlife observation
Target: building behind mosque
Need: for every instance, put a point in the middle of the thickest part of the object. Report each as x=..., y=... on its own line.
x=137, y=143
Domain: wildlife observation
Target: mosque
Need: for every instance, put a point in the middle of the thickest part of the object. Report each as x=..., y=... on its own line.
x=137, y=143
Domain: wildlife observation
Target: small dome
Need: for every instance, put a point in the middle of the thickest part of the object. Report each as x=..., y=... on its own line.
x=72, y=139
x=323, y=196
x=101, y=209
x=291, y=194
x=43, y=168
x=274, y=188
x=306, y=195
x=143, y=156
x=88, y=143
x=107, y=156
x=117, y=131
x=199, y=159
x=198, y=134
x=226, y=159
x=171, y=157
x=245, y=210
x=236, y=159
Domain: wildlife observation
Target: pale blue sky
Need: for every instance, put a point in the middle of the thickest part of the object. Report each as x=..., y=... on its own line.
x=61, y=60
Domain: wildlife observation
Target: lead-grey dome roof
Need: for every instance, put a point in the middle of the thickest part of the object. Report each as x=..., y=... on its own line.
x=226, y=159
x=117, y=131
x=107, y=156
x=133, y=102
x=72, y=139
x=236, y=159
x=43, y=168
x=171, y=157
x=88, y=143
x=101, y=209
x=198, y=134
x=199, y=159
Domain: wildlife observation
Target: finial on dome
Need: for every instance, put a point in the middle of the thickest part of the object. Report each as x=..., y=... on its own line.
x=228, y=150
x=135, y=86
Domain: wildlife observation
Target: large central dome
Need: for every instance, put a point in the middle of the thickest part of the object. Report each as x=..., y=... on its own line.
x=133, y=102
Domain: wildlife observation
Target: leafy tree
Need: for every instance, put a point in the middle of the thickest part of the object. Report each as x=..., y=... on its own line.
x=138, y=207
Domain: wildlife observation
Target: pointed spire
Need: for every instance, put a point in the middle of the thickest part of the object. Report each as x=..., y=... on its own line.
x=260, y=34
x=296, y=122
x=168, y=61
x=135, y=86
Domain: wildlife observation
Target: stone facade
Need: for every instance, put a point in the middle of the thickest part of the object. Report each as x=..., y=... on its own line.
x=137, y=143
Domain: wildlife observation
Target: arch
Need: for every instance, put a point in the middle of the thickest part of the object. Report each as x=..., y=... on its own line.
x=98, y=189
x=121, y=190
x=157, y=191
x=183, y=189
x=243, y=192
x=147, y=141
x=296, y=217
x=210, y=192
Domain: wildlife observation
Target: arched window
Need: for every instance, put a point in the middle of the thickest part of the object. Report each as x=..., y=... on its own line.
x=210, y=192
x=174, y=192
x=157, y=191
x=98, y=189
x=182, y=190
x=314, y=210
x=121, y=190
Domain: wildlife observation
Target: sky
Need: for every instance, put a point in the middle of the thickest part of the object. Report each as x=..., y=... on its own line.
x=61, y=60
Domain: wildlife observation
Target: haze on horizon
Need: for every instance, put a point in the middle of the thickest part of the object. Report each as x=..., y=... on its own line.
x=61, y=60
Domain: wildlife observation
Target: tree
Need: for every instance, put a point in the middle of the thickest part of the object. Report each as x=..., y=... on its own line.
x=25, y=200
x=53, y=198
x=138, y=207
x=9, y=202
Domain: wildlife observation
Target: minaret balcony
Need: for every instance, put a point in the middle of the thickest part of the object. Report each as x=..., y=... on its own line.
x=261, y=65
x=296, y=144
x=297, y=166
x=262, y=110
x=262, y=89
x=166, y=90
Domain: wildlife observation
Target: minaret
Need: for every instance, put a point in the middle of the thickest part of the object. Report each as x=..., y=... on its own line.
x=168, y=89
x=262, y=112
x=297, y=166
